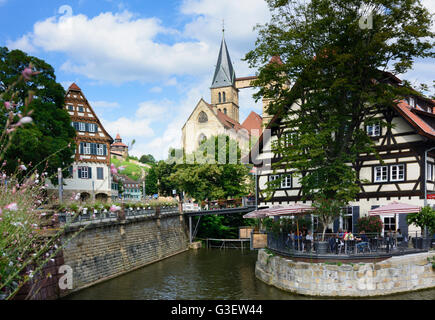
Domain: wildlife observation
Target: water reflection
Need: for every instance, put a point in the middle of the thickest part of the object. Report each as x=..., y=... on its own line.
x=199, y=275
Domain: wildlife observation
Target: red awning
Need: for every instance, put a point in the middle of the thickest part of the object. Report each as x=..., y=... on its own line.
x=395, y=208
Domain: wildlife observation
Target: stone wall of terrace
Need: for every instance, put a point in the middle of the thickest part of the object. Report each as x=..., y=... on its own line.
x=394, y=275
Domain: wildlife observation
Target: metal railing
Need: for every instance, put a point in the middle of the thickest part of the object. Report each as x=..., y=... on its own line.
x=106, y=215
x=375, y=244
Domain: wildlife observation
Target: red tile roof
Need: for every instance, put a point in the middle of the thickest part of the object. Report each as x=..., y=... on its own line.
x=253, y=123
x=417, y=122
x=74, y=87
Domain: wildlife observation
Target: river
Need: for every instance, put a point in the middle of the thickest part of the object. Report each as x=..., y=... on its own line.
x=206, y=274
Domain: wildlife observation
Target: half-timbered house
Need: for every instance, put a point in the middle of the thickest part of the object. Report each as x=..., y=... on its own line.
x=403, y=174
x=90, y=173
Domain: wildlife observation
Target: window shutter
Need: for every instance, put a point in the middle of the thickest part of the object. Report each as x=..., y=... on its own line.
x=82, y=151
x=71, y=171
x=105, y=149
x=90, y=172
x=80, y=172
x=336, y=225
x=93, y=148
x=403, y=225
x=355, y=217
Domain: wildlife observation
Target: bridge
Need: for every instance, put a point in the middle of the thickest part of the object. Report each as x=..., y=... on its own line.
x=228, y=211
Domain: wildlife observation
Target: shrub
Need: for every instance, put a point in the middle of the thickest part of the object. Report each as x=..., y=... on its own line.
x=370, y=224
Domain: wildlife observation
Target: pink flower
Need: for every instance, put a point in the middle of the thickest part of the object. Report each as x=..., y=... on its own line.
x=27, y=73
x=23, y=167
x=12, y=206
x=8, y=105
x=113, y=169
x=24, y=121
x=115, y=208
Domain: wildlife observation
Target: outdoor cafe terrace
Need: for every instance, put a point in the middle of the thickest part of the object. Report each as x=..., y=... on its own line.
x=334, y=247
x=338, y=246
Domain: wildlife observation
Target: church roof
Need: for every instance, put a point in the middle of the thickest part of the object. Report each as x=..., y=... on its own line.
x=224, y=74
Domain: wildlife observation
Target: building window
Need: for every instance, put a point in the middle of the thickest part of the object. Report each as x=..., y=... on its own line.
x=100, y=149
x=86, y=148
x=225, y=110
x=289, y=139
x=82, y=126
x=397, y=172
x=220, y=97
x=389, y=223
x=374, y=130
x=202, y=138
x=81, y=109
x=84, y=173
x=203, y=117
x=92, y=127
x=412, y=102
x=100, y=174
x=286, y=181
x=429, y=171
x=70, y=108
x=381, y=174
x=224, y=97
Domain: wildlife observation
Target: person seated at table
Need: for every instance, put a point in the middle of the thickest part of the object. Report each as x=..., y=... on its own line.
x=309, y=239
x=349, y=236
x=364, y=241
x=332, y=242
x=340, y=233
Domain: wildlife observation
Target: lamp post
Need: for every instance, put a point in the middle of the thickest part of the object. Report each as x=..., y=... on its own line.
x=425, y=181
x=425, y=174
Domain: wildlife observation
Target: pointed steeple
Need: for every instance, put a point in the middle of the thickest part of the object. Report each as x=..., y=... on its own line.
x=224, y=74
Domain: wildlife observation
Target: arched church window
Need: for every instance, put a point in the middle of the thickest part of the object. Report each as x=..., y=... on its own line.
x=225, y=99
x=202, y=117
x=220, y=98
x=225, y=110
x=202, y=138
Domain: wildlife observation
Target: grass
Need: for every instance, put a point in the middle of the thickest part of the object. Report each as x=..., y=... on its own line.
x=133, y=171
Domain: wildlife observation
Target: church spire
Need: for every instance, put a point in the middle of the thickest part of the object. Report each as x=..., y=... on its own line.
x=224, y=74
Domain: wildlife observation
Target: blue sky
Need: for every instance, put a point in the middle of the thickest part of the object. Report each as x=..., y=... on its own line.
x=143, y=64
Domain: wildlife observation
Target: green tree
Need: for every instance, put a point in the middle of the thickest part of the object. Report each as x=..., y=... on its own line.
x=212, y=175
x=424, y=218
x=148, y=159
x=151, y=181
x=338, y=73
x=44, y=143
x=165, y=185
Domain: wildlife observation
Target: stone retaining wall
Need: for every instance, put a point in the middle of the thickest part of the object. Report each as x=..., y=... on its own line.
x=394, y=275
x=108, y=249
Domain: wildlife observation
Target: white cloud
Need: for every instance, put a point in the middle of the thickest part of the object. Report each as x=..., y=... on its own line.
x=104, y=104
x=156, y=89
x=116, y=47
x=129, y=128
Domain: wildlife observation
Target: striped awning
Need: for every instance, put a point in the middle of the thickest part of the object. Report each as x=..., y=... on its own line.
x=290, y=210
x=262, y=213
x=395, y=208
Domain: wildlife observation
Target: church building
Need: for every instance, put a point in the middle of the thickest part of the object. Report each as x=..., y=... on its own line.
x=221, y=115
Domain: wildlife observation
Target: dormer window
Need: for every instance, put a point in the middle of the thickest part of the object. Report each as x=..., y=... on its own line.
x=412, y=102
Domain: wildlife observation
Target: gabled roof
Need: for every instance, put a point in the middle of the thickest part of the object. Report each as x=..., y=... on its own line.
x=253, y=123
x=415, y=119
x=224, y=74
x=74, y=87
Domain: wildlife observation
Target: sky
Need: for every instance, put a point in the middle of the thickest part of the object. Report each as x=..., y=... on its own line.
x=143, y=64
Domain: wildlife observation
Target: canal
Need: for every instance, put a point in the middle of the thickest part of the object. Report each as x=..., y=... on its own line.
x=206, y=274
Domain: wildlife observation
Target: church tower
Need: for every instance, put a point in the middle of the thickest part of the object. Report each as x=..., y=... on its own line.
x=224, y=94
